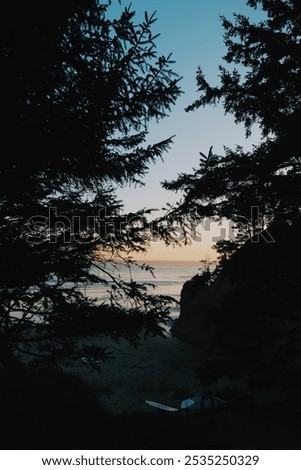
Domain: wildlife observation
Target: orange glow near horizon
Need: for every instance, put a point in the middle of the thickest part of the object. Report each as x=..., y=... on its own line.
x=197, y=251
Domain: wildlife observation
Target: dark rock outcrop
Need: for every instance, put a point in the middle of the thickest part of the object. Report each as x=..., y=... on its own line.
x=253, y=306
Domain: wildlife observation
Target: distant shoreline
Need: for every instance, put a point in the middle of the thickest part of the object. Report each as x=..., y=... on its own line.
x=170, y=261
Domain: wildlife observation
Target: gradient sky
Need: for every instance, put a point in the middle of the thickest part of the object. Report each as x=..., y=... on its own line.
x=191, y=30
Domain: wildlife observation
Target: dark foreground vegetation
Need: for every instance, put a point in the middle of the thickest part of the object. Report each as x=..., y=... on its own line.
x=80, y=91
x=42, y=409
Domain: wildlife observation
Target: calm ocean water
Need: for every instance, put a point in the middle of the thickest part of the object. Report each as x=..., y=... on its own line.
x=169, y=279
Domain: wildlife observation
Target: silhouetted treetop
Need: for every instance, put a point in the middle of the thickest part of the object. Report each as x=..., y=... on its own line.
x=265, y=86
x=261, y=84
x=80, y=91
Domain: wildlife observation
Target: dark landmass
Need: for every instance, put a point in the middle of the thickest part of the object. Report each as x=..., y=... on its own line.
x=44, y=408
x=249, y=317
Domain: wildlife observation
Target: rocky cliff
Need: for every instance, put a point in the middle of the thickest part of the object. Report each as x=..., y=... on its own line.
x=253, y=305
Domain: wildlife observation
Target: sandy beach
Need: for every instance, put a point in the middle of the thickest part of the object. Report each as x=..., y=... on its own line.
x=159, y=369
x=66, y=413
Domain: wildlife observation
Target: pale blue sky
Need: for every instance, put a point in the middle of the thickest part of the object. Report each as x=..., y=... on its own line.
x=191, y=30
